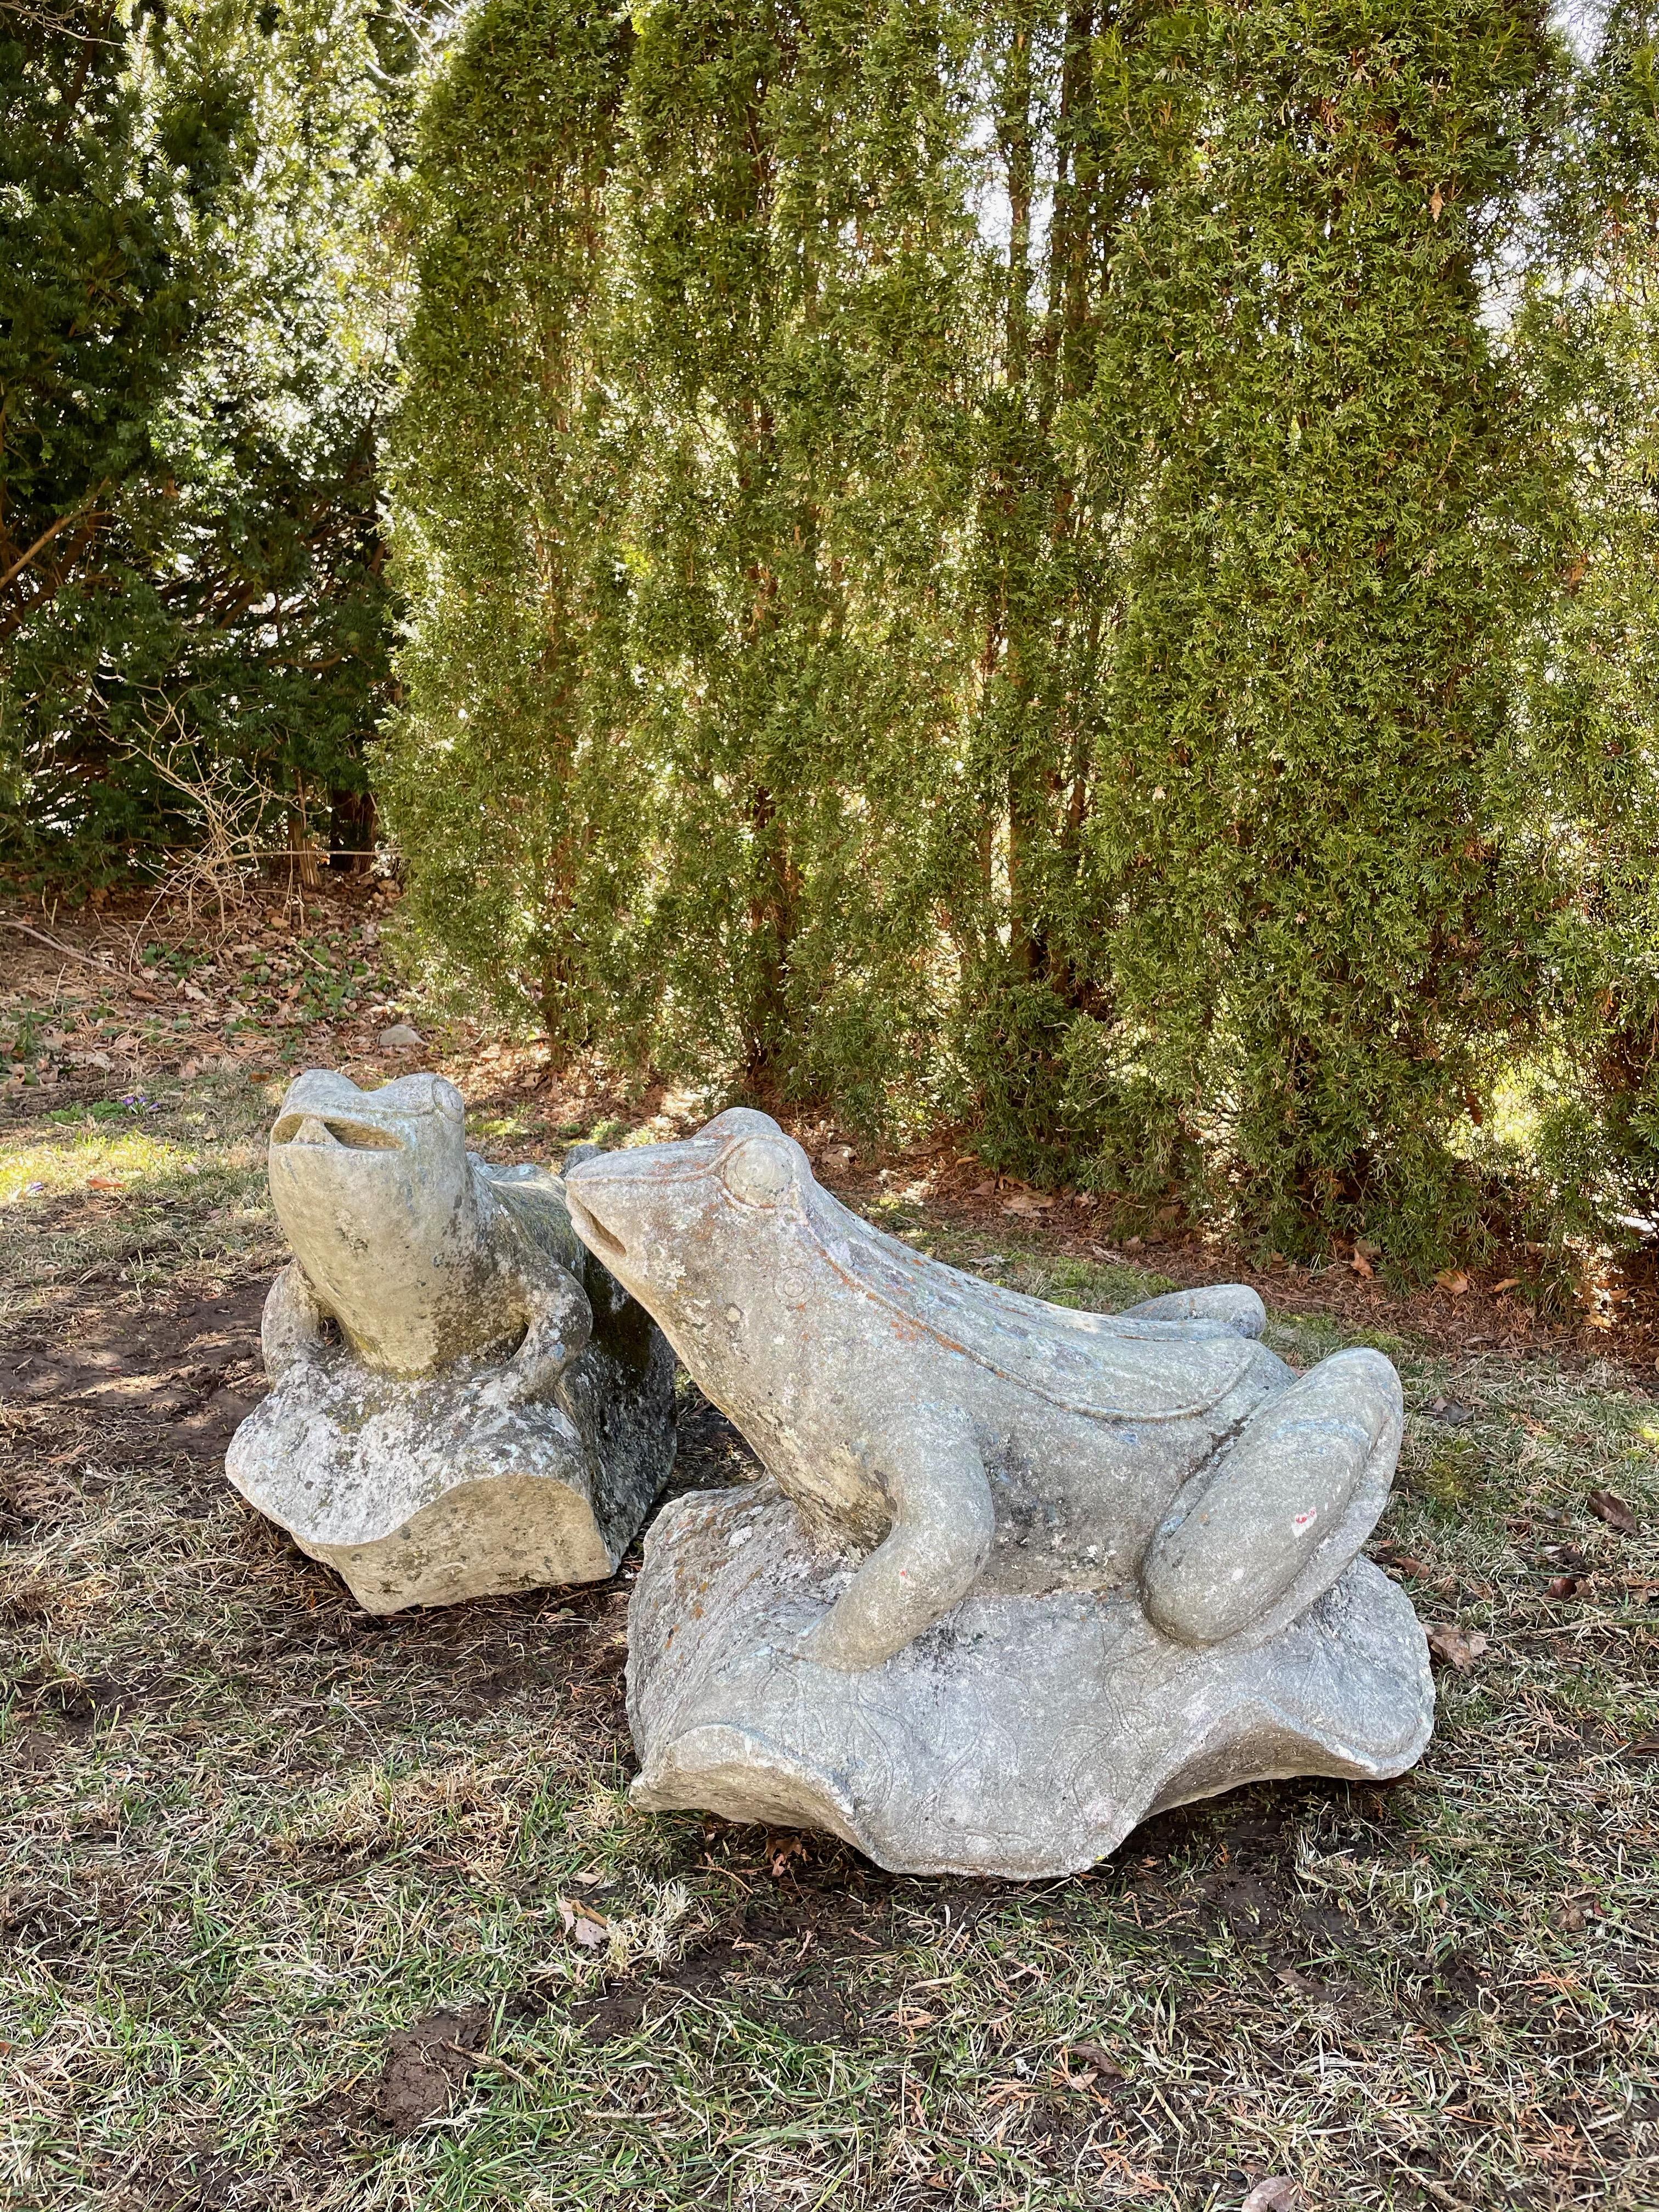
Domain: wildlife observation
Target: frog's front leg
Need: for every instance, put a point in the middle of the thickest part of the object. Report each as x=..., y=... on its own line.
x=291, y=1327
x=561, y=1322
x=936, y=1550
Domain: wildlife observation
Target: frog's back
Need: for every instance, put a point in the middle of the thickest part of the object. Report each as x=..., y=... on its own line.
x=532, y=1199
x=1095, y=1364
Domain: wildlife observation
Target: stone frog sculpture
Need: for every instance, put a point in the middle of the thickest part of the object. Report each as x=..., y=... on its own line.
x=465, y=1402
x=969, y=1438
x=960, y=1467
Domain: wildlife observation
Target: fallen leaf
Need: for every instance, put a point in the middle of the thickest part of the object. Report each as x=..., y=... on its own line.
x=794, y=1848
x=1509, y=1283
x=1452, y=1280
x=1616, y=1511
x=1562, y=1586
x=584, y=1924
x=103, y=1182
x=1459, y=1648
x=1646, y=1747
x=1026, y=1201
x=1454, y=1416
x=1361, y=1265
x=1095, y=2055
x=1407, y=1565
x=591, y=1879
x=1279, y=2193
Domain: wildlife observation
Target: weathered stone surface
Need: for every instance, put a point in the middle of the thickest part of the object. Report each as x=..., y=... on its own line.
x=464, y=1400
x=1021, y=1736
x=988, y=1483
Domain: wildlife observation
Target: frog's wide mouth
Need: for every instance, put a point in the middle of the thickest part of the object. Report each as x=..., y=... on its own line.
x=335, y=1130
x=592, y=1230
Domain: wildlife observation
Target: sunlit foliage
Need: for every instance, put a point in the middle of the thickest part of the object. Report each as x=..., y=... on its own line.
x=195, y=356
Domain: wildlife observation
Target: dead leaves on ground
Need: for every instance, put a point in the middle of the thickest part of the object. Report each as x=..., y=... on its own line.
x=1278, y=2193
x=1027, y=1202
x=1459, y=1648
x=1097, y=2064
x=1618, y=1512
x=584, y=1925
x=792, y=1847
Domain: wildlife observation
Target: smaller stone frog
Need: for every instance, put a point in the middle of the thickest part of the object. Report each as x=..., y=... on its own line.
x=465, y=1400
x=421, y=1253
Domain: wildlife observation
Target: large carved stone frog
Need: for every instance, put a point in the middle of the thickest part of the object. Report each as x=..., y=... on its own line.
x=1018, y=1576
x=465, y=1402
x=967, y=1438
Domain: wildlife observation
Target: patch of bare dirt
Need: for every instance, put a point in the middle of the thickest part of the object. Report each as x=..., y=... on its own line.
x=426, y=2064
x=102, y=1382
x=191, y=1366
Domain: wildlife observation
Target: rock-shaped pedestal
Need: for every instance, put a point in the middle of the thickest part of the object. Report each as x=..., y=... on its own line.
x=1021, y=1736
x=1025, y=1574
x=463, y=1401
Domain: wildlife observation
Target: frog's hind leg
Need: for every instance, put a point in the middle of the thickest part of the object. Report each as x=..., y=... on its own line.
x=1229, y=1306
x=1267, y=1524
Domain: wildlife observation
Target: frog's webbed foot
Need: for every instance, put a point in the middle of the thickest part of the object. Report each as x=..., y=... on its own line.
x=561, y=1322
x=1268, y=1525
x=940, y=1539
x=1234, y=1305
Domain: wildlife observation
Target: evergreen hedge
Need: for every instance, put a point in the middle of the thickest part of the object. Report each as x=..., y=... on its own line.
x=1069, y=565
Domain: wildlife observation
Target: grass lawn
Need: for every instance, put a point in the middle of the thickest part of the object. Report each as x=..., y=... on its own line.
x=300, y=1907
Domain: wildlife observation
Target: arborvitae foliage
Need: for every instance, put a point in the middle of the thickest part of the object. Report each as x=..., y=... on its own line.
x=686, y=443
x=193, y=354
x=800, y=286
x=999, y=553
x=511, y=776
x=1588, y=710
x=1274, y=935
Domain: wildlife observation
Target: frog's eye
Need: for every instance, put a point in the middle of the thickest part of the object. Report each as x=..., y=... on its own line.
x=758, y=1172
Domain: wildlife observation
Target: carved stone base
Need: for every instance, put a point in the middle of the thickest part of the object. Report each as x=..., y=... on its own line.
x=1019, y=1737
x=426, y=1493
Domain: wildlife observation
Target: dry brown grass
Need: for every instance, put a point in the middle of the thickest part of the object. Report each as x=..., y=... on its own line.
x=251, y=1835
